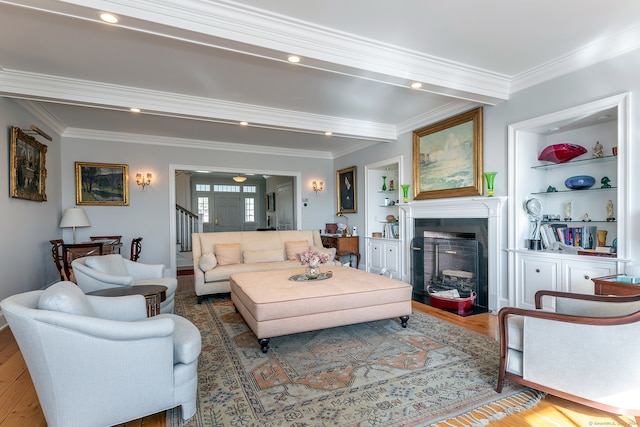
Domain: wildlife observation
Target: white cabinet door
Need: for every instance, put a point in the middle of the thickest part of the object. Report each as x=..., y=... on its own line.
x=392, y=259
x=536, y=273
x=578, y=275
x=376, y=260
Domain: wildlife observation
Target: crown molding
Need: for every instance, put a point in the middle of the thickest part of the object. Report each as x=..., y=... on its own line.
x=57, y=89
x=42, y=114
x=597, y=51
x=445, y=111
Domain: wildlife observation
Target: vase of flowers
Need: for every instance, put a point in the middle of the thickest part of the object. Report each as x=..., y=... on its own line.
x=313, y=260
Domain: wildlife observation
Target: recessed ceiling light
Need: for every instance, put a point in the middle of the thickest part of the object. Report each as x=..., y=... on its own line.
x=294, y=59
x=109, y=18
x=328, y=133
x=603, y=117
x=134, y=110
x=416, y=85
x=554, y=129
x=244, y=123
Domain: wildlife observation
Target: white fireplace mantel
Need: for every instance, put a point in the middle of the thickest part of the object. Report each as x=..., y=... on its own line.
x=491, y=208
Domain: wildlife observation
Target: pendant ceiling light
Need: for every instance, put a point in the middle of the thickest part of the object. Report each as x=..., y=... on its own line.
x=239, y=178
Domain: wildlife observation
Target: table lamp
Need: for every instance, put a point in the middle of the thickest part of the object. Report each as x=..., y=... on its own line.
x=74, y=217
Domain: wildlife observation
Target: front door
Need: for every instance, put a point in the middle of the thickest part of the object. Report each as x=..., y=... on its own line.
x=227, y=215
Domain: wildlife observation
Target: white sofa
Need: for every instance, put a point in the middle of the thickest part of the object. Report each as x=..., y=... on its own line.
x=216, y=256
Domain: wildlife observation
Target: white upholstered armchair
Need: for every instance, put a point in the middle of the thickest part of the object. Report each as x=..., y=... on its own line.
x=94, y=273
x=584, y=351
x=99, y=361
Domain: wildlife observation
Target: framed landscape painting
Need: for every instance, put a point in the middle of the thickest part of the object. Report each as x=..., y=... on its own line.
x=27, y=167
x=102, y=184
x=447, y=157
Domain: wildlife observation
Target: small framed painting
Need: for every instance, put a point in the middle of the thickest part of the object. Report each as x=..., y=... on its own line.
x=28, y=170
x=447, y=157
x=271, y=202
x=102, y=184
x=346, y=183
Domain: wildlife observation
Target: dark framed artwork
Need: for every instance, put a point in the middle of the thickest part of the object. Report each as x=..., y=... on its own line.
x=447, y=157
x=271, y=202
x=28, y=168
x=102, y=184
x=346, y=188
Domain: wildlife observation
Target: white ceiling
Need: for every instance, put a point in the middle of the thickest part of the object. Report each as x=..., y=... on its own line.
x=198, y=67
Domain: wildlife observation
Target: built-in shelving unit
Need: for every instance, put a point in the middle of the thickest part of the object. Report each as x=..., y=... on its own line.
x=605, y=121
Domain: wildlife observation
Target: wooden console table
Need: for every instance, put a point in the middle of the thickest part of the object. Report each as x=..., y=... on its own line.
x=616, y=284
x=345, y=246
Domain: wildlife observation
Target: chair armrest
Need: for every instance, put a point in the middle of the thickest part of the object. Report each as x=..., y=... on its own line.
x=141, y=271
x=108, y=279
x=124, y=308
x=590, y=305
x=113, y=330
x=585, y=297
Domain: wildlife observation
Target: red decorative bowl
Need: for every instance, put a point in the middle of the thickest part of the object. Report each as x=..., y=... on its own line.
x=561, y=153
x=461, y=305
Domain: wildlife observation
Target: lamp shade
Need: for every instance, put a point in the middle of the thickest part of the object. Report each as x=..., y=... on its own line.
x=74, y=217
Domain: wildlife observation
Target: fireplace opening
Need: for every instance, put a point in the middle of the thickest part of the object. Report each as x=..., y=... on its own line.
x=447, y=254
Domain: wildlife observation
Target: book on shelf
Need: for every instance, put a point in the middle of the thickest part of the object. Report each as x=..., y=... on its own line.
x=597, y=252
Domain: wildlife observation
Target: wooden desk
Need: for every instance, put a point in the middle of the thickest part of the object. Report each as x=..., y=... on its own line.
x=109, y=246
x=617, y=284
x=153, y=294
x=345, y=246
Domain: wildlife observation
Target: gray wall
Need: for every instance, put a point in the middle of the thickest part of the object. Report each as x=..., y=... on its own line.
x=28, y=226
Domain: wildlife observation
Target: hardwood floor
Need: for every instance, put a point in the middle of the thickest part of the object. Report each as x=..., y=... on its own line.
x=19, y=406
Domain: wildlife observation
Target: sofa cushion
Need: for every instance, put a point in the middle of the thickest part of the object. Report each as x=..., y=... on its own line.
x=207, y=262
x=294, y=248
x=267, y=255
x=228, y=253
x=66, y=297
x=110, y=264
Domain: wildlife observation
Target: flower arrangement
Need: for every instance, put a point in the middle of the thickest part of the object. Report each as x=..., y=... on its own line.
x=313, y=258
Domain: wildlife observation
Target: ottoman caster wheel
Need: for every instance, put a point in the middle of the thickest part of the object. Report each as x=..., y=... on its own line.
x=264, y=344
x=404, y=320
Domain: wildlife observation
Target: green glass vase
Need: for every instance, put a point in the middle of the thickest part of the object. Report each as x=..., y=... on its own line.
x=489, y=177
x=405, y=192
x=384, y=183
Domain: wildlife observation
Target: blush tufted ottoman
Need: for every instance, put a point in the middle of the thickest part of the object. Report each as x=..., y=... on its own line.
x=272, y=305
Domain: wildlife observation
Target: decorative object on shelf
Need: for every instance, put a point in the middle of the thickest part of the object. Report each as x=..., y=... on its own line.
x=27, y=166
x=551, y=189
x=355, y=231
x=567, y=211
x=610, y=216
x=111, y=192
x=405, y=193
x=390, y=218
x=376, y=234
x=598, y=150
x=605, y=182
x=391, y=186
x=347, y=196
x=384, y=183
x=561, y=153
x=579, y=182
x=614, y=151
x=602, y=237
x=490, y=176
x=585, y=218
x=313, y=260
x=533, y=207
x=387, y=201
x=447, y=157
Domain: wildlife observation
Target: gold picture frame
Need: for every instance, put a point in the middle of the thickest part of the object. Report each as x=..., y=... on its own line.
x=102, y=184
x=346, y=190
x=447, y=157
x=28, y=167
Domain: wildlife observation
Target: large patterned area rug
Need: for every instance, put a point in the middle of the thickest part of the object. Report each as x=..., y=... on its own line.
x=369, y=374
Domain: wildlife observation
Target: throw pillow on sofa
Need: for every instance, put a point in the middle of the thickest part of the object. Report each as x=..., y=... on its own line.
x=66, y=297
x=293, y=248
x=228, y=253
x=267, y=255
x=207, y=262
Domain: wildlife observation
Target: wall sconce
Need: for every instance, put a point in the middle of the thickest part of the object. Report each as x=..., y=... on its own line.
x=143, y=181
x=317, y=187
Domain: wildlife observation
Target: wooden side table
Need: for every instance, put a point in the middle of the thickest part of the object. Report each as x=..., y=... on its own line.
x=153, y=294
x=345, y=246
x=617, y=284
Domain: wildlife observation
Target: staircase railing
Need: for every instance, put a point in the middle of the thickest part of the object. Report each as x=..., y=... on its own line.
x=187, y=223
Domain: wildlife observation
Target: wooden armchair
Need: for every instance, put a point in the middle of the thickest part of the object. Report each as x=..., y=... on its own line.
x=136, y=248
x=584, y=351
x=73, y=251
x=56, y=252
x=112, y=244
